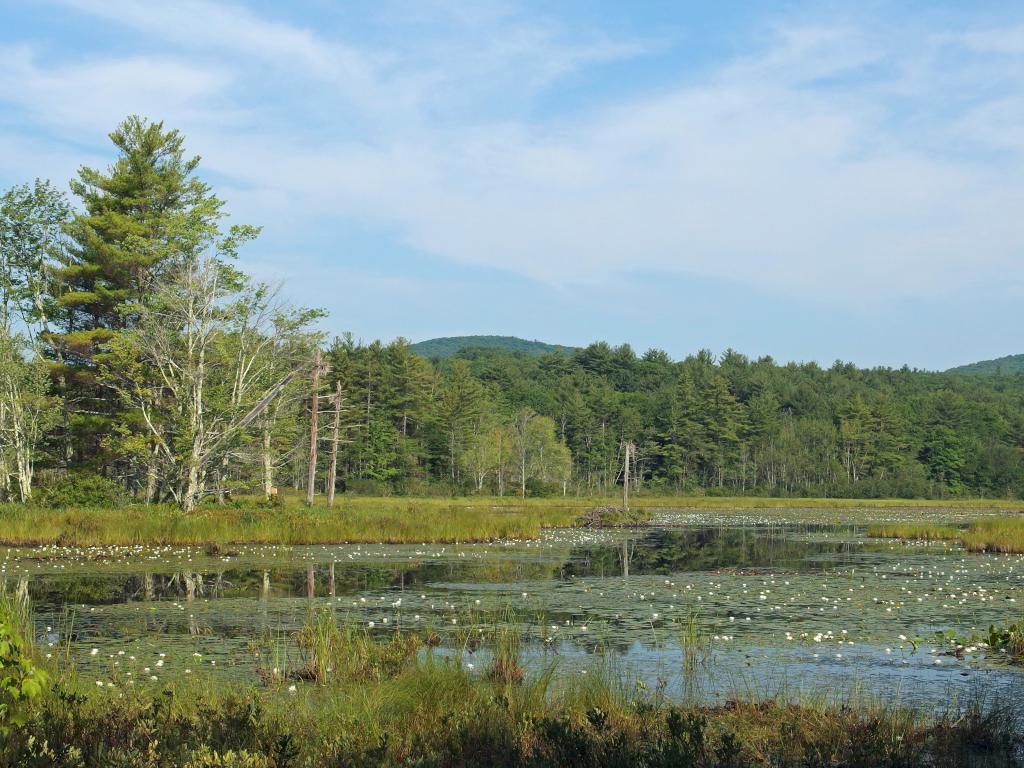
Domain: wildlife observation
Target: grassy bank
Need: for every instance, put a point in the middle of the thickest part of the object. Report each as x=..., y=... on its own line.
x=374, y=520
x=357, y=520
x=995, y=534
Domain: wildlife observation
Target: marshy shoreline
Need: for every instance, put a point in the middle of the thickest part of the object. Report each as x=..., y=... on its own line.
x=392, y=520
x=413, y=655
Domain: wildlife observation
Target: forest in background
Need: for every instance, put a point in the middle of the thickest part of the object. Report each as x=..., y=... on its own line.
x=138, y=358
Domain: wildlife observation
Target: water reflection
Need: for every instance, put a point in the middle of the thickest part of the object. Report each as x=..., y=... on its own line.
x=653, y=552
x=762, y=596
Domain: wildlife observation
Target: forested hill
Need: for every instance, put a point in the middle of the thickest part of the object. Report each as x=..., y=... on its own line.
x=714, y=424
x=1006, y=366
x=452, y=345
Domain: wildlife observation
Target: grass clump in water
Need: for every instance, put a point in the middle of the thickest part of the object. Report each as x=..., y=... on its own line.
x=915, y=531
x=997, y=534
x=993, y=534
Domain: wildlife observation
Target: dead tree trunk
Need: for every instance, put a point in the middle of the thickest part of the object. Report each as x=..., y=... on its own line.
x=332, y=473
x=628, y=450
x=311, y=475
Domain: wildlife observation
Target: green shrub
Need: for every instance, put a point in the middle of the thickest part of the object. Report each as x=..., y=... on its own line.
x=82, y=490
x=20, y=680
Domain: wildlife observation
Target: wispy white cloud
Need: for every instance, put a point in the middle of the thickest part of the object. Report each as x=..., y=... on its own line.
x=93, y=94
x=813, y=165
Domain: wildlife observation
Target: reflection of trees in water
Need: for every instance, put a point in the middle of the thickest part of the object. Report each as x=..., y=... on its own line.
x=329, y=578
x=663, y=551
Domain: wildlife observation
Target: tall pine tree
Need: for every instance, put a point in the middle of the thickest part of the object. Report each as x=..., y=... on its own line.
x=144, y=213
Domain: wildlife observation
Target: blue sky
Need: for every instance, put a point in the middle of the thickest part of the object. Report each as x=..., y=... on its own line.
x=813, y=181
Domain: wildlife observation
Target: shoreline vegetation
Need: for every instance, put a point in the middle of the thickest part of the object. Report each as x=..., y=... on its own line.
x=1000, y=534
x=351, y=699
x=402, y=520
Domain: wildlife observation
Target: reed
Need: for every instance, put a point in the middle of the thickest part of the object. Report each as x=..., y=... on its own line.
x=1004, y=533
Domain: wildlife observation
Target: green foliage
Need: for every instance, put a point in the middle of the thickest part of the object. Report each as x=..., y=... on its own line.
x=82, y=489
x=21, y=681
x=1009, y=365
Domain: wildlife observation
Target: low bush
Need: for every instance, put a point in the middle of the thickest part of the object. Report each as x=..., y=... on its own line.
x=81, y=490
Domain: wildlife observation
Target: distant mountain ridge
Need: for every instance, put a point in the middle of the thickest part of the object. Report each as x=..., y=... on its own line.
x=452, y=345
x=1008, y=365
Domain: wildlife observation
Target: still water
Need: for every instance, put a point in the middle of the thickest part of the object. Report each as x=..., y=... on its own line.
x=782, y=609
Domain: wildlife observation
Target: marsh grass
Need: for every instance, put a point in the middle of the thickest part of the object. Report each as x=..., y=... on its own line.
x=693, y=641
x=992, y=534
x=389, y=521
x=997, y=534
x=436, y=714
x=916, y=531
x=336, y=649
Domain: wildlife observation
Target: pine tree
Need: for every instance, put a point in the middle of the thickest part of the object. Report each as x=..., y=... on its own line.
x=147, y=212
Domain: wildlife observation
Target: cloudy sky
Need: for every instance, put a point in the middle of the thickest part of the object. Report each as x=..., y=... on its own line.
x=806, y=180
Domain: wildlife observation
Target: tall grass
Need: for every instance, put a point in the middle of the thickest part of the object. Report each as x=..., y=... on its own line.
x=917, y=531
x=399, y=520
x=437, y=714
x=357, y=521
x=993, y=534
x=997, y=534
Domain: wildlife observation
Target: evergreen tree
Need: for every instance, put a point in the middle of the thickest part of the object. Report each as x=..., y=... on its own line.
x=147, y=212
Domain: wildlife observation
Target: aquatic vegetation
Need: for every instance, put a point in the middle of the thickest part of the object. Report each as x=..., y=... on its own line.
x=693, y=641
x=353, y=520
x=438, y=714
x=589, y=635
x=993, y=534
x=999, y=534
x=341, y=650
x=920, y=531
x=1006, y=639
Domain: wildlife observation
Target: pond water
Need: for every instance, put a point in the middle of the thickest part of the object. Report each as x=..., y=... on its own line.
x=783, y=608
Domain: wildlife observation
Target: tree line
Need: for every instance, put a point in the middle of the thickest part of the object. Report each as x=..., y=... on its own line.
x=134, y=348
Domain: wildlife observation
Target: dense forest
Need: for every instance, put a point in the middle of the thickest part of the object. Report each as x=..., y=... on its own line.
x=1002, y=366
x=136, y=354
